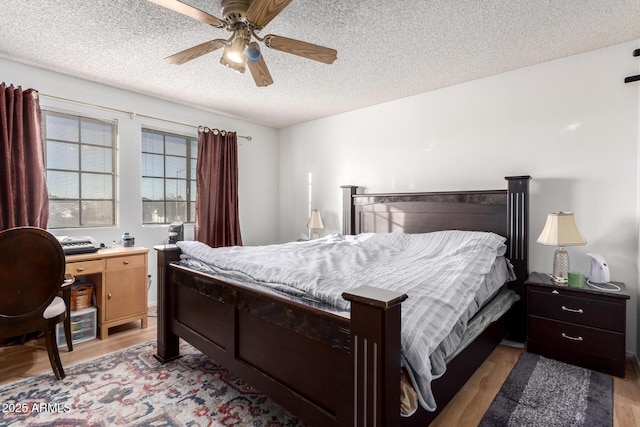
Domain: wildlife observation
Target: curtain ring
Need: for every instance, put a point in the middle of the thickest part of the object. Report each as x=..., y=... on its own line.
x=215, y=131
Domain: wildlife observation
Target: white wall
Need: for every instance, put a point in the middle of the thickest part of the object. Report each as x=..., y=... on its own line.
x=572, y=124
x=258, y=159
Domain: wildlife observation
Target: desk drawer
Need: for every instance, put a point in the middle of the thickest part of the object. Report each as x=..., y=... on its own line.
x=85, y=267
x=130, y=261
x=582, y=311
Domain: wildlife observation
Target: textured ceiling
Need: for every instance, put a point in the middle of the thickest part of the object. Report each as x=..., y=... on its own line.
x=386, y=49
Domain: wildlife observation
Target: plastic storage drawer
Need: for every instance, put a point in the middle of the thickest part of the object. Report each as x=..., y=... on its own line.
x=84, y=325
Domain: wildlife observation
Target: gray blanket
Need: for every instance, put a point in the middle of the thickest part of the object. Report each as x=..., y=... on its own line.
x=440, y=272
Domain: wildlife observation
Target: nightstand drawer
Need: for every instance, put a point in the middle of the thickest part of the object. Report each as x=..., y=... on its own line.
x=561, y=337
x=575, y=309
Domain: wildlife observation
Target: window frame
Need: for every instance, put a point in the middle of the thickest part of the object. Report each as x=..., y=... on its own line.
x=81, y=118
x=191, y=152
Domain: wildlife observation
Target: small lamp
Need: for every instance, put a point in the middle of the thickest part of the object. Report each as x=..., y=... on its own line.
x=561, y=230
x=314, y=223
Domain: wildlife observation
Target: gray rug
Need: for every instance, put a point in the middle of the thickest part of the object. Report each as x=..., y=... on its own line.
x=545, y=392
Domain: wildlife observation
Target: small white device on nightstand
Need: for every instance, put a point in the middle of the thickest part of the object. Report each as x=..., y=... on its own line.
x=599, y=269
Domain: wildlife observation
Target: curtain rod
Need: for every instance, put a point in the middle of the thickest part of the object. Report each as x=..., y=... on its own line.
x=132, y=114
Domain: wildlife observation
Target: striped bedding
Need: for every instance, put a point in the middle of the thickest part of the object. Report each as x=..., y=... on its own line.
x=441, y=273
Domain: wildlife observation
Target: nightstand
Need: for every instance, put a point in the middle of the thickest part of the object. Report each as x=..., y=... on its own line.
x=580, y=326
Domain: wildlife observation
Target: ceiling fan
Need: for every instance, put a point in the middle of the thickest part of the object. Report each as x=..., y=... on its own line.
x=244, y=19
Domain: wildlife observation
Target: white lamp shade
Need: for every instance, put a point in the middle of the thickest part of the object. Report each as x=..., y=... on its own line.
x=315, y=221
x=561, y=230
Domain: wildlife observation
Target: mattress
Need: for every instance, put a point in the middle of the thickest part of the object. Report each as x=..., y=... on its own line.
x=448, y=277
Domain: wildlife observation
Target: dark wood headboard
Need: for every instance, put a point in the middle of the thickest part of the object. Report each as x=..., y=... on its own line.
x=504, y=212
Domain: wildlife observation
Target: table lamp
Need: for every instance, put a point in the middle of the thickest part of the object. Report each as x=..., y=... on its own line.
x=561, y=230
x=314, y=224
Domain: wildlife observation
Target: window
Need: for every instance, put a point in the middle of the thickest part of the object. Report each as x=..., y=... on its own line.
x=80, y=158
x=168, y=177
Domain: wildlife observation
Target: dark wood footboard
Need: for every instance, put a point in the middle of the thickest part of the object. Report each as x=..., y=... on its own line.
x=327, y=368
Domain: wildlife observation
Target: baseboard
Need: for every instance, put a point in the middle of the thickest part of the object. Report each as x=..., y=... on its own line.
x=510, y=343
x=636, y=363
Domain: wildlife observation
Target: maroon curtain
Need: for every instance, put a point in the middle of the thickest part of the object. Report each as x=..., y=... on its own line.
x=217, y=219
x=23, y=189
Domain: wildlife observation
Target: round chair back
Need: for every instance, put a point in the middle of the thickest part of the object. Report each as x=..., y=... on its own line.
x=32, y=267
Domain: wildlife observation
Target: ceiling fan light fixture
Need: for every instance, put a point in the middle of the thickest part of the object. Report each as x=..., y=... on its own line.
x=235, y=51
x=237, y=66
x=234, y=55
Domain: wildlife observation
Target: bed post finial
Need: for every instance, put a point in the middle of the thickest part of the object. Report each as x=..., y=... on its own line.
x=348, y=209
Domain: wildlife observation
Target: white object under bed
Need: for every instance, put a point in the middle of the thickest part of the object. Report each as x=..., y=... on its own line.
x=447, y=275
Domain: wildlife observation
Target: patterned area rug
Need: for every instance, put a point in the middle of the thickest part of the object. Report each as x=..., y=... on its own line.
x=131, y=388
x=545, y=392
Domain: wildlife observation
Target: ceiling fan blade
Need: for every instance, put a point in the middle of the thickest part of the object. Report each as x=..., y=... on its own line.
x=260, y=72
x=300, y=48
x=191, y=12
x=261, y=12
x=195, y=52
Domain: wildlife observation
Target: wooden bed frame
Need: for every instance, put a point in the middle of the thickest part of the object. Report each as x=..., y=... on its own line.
x=327, y=367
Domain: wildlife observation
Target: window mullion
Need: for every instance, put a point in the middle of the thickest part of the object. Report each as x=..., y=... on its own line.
x=80, y=194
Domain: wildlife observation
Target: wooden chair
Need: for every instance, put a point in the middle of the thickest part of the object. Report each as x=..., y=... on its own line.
x=32, y=273
x=65, y=294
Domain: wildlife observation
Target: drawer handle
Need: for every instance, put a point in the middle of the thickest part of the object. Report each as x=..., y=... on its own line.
x=573, y=310
x=125, y=262
x=569, y=337
x=80, y=269
x=109, y=297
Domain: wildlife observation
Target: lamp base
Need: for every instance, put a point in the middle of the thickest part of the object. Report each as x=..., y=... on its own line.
x=561, y=265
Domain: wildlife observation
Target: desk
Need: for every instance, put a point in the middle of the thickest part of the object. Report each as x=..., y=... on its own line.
x=120, y=279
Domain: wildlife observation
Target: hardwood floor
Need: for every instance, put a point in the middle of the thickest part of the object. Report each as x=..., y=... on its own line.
x=20, y=361
x=466, y=409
